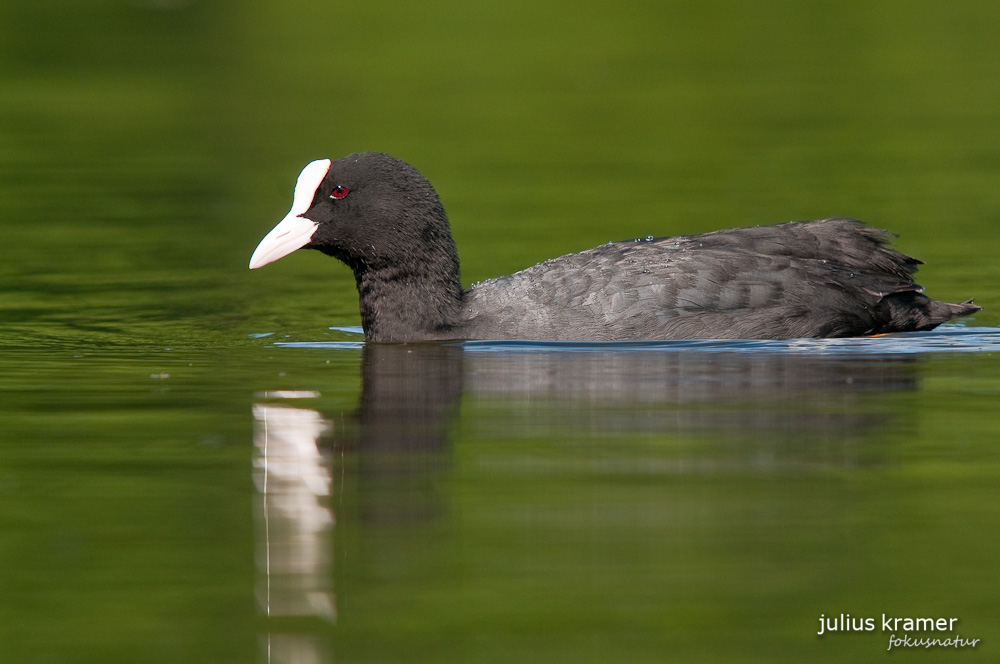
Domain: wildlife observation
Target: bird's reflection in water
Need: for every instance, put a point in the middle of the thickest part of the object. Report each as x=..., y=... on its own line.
x=398, y=449
x=731, y=395
x=294, y=525
x=409, y=394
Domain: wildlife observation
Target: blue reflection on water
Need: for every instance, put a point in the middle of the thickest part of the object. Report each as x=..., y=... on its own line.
x=945, y=339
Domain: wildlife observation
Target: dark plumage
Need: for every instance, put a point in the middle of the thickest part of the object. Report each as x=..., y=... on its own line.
x=827, y=278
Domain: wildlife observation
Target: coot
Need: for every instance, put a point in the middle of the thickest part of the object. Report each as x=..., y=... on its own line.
x=380, y=216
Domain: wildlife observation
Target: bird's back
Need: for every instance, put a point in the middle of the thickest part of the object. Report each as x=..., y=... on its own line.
x=827, y=278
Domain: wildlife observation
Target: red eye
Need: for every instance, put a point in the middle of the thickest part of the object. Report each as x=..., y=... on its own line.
x=338, y=192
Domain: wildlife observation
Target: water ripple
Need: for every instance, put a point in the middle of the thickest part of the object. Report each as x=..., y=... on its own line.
x=945, y=339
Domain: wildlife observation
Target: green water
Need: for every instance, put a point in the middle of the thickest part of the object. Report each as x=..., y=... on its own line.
x=178, y=485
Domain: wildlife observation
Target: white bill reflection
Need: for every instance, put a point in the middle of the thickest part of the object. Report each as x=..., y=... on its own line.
x=293, y=520
x=295, y=649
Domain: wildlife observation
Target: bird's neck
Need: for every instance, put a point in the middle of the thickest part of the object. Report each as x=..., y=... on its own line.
x=409, y=302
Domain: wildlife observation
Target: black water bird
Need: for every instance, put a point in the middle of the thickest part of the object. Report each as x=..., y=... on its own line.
x=380, y=216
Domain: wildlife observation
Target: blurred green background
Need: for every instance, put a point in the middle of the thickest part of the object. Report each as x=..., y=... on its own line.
x=156, y=142
x=147, y=145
